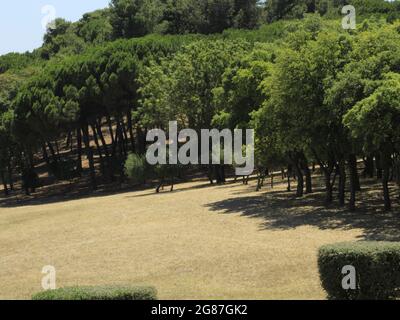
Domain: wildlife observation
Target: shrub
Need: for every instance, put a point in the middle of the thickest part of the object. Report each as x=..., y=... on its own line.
x=136, y=168
x=377, y=266
x=64, y=169
x=166, y=171
x=30, y=179
x=98, y=293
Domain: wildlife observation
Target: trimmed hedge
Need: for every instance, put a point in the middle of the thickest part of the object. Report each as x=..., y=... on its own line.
x=377, y=266
x=98, y=293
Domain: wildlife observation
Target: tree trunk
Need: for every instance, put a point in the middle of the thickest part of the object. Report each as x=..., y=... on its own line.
x=89, y=153
x=69, y=140
x=108, y=160
x=353, y=164
x=53, y=153
x=300, y=185
x=289, y=175
x=369, y=166
x=31, y=173
x=46, y=157
x=378, y=166
x=329, y=187
x=98, y=148
x=327, y=171
x=57, y=148
x=103, y=141
x=109, y=123
x=25, y=182
x=121, y=139
x=353, y=189
x=141, y=141
x=299, y=174
x=260, y=177
x=130, y=129
x=385, y=164
x=125, y=138
x=342, y=182
x=217, y=173
x=10, y=176
x=79, y=150
x=3, y=179
x=210, y=173
x=307, y=174
x=124, y=132
x=386, y=191
x=396, y=170
x=114, y=146
x=119, y=142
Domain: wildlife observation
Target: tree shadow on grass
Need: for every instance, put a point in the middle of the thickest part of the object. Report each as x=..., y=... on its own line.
x=281, y=210
x=64, y=191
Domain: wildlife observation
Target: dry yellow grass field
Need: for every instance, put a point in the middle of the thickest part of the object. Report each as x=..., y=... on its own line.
x=199, y=242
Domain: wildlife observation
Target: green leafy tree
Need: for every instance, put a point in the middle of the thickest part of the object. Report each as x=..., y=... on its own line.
x=135, y=18
x=95, y=27
x=61, y=38
x=382, y=135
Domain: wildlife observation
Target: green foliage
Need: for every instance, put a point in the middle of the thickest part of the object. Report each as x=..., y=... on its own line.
x=288, y=9
x=240, y=93
x=310, y=89
x=296, y=9
x=8, y=89
x=294, y=112
x=185, y=84
x=182, y=16
x=10, y=84
x=98, y=293
x=136, y=168
x=135, y=18
x=218, y=15
x=61, y=39
x=368, y=7
x=64, y=169
x=95, y=27
x=16, y=61
x=377, y=267
x=64, y=38
x=382, y=104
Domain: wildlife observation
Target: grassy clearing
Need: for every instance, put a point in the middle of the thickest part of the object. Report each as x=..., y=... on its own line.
x=199, y=242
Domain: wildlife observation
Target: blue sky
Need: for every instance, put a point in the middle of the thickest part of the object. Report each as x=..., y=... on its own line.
x=21, y=20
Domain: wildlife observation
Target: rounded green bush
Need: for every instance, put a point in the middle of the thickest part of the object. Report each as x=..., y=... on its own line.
x=377, y=266
x=98, y=293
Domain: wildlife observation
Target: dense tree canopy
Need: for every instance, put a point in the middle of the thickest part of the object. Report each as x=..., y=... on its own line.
x=137, y=18
x=313, y=92
x=295, y=9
